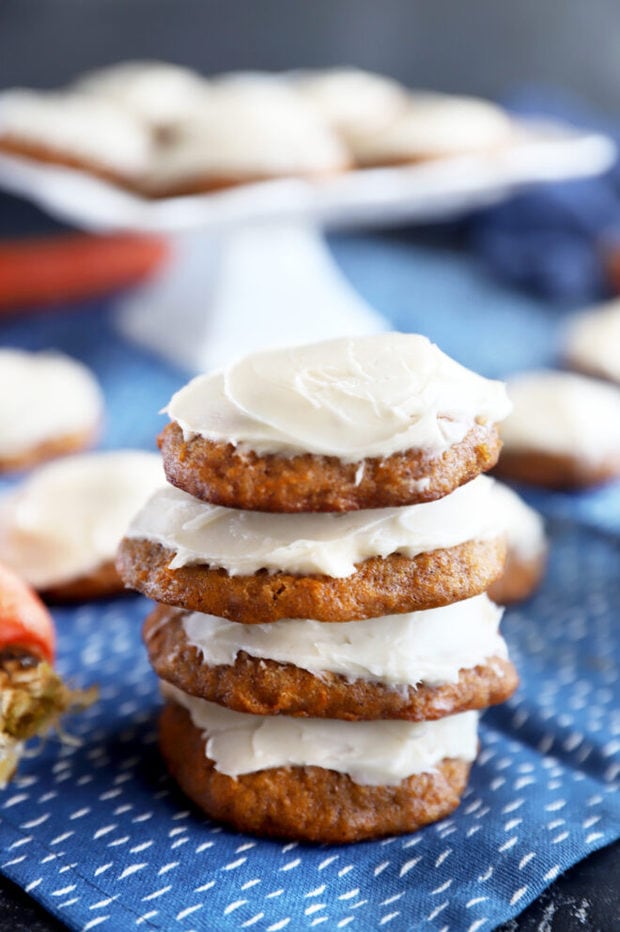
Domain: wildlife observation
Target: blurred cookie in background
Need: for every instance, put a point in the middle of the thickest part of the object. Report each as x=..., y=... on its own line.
x=527, y=546
x=592, y=342
x=78, y=131
x=159, y=93
x=434, y=126
x=161, y=130
x=60, y=528
x=50, y=404
x=564, y=431
x=255, y=128
x=350, y=100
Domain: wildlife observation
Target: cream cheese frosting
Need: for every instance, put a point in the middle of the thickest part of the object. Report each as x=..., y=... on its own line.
x=85, y=127
x=372, y=753
x=44, y=397
x=350, y=99
x=160, y=93
x=350, y=398
x=565, y=414
x=524, y=527
x=435, y=125
x=593, y=341
x=252, y=128
x=428, y=647
x=243, y=542
x=68, y=517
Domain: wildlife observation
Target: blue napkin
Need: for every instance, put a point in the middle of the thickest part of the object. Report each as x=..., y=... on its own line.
x=100, y=835
x=552, y=239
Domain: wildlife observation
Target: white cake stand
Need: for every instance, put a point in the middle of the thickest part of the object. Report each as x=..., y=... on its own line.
x=250, y=267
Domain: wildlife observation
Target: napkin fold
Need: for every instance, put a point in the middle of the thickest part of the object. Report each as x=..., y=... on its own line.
x=555, y=239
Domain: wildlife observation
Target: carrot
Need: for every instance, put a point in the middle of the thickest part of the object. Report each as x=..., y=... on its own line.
x=25, y=622
x=71, y=267
x=33, y=697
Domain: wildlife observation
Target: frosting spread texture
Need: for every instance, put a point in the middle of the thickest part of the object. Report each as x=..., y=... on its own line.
x=374, y=753
x=398, y=650
x=350, y=398
x=243, y=542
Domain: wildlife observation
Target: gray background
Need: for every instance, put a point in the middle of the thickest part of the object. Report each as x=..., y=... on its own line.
x=481, y=46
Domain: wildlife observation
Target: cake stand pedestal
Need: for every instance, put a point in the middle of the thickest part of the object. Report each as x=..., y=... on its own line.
x=249, y=287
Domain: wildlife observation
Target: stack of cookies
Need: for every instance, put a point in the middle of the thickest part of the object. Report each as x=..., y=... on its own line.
x=321, y=559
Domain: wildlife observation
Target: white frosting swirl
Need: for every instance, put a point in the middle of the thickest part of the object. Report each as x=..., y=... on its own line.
x=350, y=398
x=78, y=125
x=68, y=517
x=243, y=542
x=44, y=397
x=372, y=753
x=593, y=341
x=565, y=414
x=428, y=647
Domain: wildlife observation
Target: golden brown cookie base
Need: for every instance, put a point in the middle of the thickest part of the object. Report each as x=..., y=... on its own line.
x=519, y=580
x=554, y=471
x=207, y=184
x=267, y=687
x=211, y=183
x=24, y=149
x=49, y=449
x=305, y=803
x=99, y=584
x=220, y=474
x=380, y=586
x=400, y=161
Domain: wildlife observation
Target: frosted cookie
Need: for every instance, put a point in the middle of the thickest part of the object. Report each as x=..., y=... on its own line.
x=419, y=666
x=365, y=422
x=434, y=126
x=159, y=93
x=60, y=529
x=317, y=780
x=257, y=567
x=526, y=554
x=351, y=100
x=50, y=404
x=77, y=131
x=564, y=431
x=592, y=342
x=251, y=131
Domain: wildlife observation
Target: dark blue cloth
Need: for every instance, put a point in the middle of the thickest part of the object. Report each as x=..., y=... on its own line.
x=101, y=836
x=553, y=239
